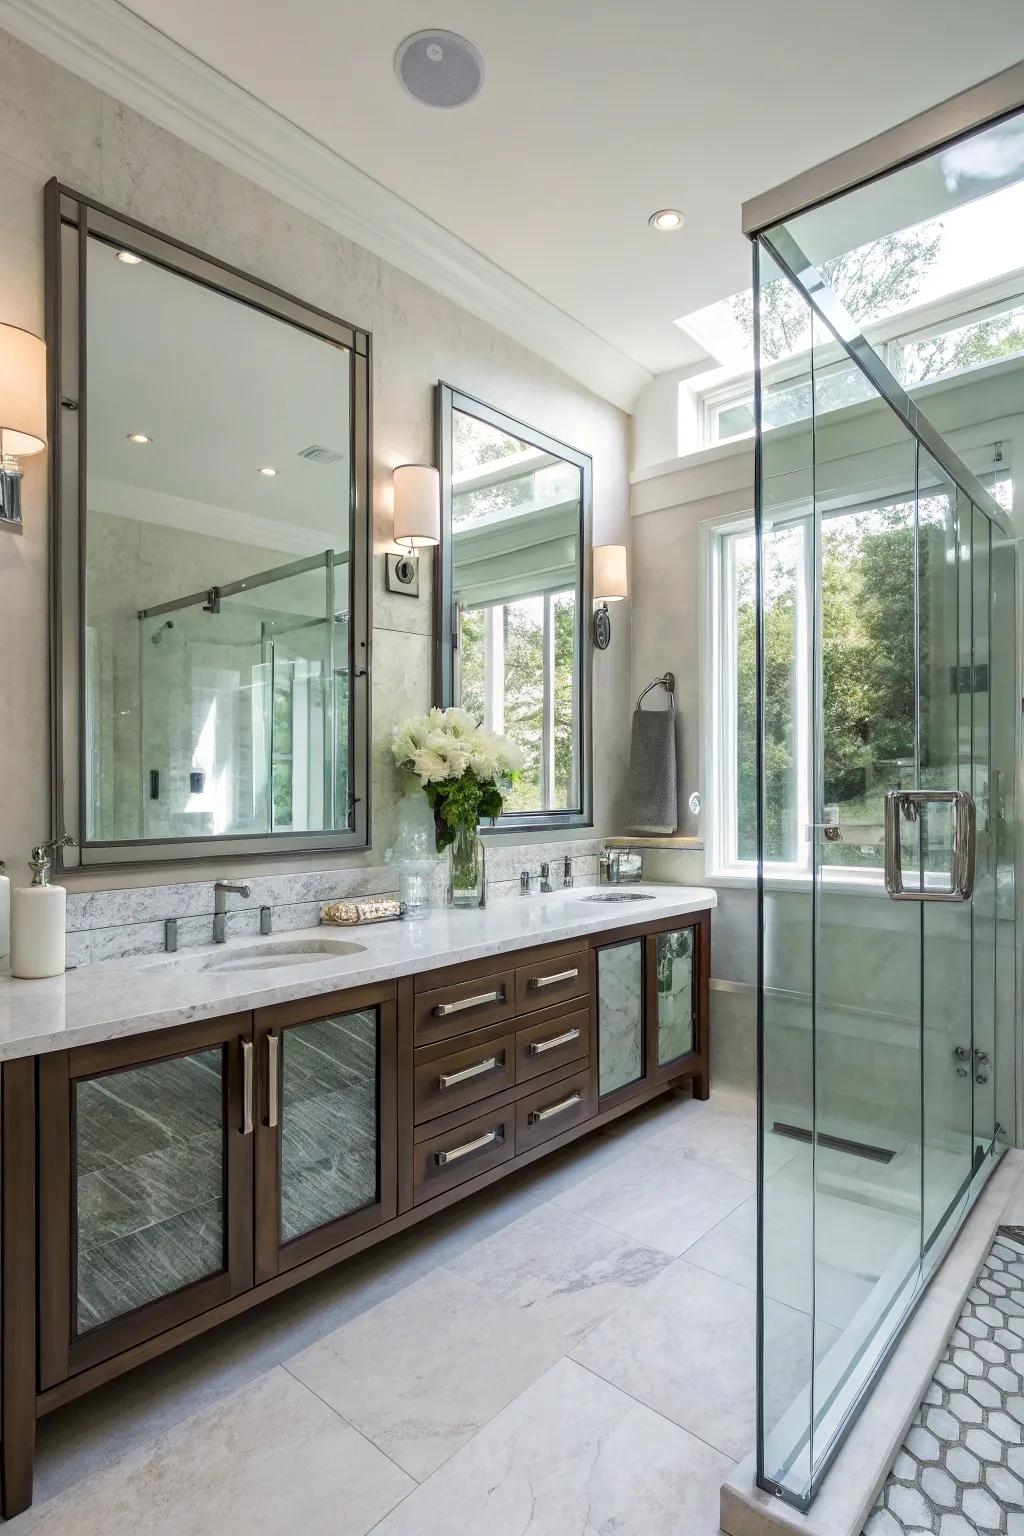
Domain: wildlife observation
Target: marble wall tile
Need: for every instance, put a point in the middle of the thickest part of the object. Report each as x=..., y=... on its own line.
x=427, y=1368
x=506, y=858
x=572, y=1454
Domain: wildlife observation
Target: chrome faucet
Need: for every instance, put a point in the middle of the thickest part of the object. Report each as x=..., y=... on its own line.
x=567, y=876
x=545, y=878
x=525, y=883
x=222, y=889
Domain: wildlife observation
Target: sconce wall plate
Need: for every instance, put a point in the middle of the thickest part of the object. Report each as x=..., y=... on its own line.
x=602, y=627
x=402, y=574
x=10, y=498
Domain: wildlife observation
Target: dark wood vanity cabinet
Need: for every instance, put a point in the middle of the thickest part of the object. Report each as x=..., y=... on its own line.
x=186, y=1174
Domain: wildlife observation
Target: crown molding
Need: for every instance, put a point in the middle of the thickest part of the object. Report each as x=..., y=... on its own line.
x=109, y=46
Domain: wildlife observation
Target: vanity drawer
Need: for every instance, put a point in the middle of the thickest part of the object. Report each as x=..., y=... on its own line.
x=463, y=1076
x=465, y=1005
x=555, y=1038
x=554, y=1109
x=544, y=982
x=460, y=1154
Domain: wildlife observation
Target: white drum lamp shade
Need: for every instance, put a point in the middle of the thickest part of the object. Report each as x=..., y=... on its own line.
x=22, y=392
x=417, y=506
x=610, y=584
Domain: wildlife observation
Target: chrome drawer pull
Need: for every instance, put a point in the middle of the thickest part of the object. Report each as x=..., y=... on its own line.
x=449, y=1079
x=247, y=1086
x=440, y=1158
x=536, y=982
x=537, y=1115
x=442, y=1010
x=538, y=1047
x=273, y=1080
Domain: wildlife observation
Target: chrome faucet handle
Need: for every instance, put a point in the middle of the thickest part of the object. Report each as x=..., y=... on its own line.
x=525, y=883
x=545, y=877
x=567, y=876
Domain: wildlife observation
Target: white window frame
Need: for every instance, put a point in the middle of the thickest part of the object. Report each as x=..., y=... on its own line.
x=984, y=301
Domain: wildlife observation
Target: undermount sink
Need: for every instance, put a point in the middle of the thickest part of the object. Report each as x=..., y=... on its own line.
x=619, y=896
x=261, y=957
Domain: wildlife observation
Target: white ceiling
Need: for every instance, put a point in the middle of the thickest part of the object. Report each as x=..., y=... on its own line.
x=593, y=114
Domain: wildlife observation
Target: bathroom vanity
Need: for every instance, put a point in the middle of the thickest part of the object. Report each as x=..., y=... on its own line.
x=188, y=1134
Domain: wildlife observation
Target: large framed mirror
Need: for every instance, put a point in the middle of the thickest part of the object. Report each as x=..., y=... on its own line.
x=210, y=555
x=513, y=599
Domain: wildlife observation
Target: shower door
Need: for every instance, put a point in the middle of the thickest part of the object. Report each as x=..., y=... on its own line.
x=886, y=742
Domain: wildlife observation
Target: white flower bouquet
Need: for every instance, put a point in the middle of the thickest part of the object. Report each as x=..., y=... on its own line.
x=464, y=769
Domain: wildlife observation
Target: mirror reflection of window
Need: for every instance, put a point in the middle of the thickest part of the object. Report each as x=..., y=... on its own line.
x=217, y=562
x=516, y=581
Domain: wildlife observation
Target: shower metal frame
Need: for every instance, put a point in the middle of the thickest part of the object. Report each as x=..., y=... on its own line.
x=70, y=219
x=999, y=97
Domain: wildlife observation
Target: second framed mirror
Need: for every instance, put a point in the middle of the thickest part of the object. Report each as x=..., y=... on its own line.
x=513, y=600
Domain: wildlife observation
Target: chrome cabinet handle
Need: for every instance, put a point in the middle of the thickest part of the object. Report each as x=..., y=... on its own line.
x=538, y=1047
x=248, y=1051
x=537, y=1115
x=907, y=803
x=273, y=1080
x=476, y=1145
x=536, y=982
x=442, y=1010
x=450, y=1079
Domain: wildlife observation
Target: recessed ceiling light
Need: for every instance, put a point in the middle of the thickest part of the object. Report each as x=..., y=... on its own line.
x=129, y=258
x=267, y=469
x=666, y=219
x=139, y=437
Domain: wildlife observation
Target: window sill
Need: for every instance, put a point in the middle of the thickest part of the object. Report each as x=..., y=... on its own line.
x=836, y=882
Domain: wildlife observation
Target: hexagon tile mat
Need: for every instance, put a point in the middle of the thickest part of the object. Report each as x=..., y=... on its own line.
x=961, y=1468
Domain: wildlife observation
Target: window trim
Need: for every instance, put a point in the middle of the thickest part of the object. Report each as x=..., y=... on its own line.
x=447, y=400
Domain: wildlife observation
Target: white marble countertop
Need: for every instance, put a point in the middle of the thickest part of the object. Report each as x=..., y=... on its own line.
x=128, y=997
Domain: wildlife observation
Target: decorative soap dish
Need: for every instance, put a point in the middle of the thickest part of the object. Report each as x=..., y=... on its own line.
x=350, y=914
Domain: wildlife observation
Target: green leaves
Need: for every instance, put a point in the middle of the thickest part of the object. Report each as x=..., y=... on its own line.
x=464, y=803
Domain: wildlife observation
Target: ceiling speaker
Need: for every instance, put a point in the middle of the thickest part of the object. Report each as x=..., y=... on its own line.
x=439, y=68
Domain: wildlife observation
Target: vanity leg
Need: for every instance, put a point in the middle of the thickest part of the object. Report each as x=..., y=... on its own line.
x=702, y=1086
x=17, y=1285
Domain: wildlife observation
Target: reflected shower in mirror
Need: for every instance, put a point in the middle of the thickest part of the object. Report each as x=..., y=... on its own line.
x=218, y=636
x=516, y=507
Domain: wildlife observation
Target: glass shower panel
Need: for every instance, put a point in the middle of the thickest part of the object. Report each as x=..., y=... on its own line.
x=888, y=711
x=775, y=774
x=867, y=1146
x=944, y=643
x=984, y=905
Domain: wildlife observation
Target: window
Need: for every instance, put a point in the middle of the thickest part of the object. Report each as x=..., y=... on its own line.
x=866, y=723
x=515, y=521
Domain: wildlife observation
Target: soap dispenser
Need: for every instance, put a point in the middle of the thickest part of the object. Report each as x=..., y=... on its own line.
x=37, y=918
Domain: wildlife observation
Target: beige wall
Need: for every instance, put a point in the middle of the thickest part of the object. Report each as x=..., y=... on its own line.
x=53, y=124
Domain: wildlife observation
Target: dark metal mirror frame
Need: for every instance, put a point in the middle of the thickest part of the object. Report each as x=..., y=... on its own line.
x=449, y=399
x=69, y=219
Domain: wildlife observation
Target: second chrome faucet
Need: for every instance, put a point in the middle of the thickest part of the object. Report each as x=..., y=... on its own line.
x=222, y=889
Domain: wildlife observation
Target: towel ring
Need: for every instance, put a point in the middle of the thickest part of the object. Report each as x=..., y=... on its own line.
x=667, y=680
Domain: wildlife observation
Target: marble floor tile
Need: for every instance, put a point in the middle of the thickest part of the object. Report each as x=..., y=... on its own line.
x=726, y=1140
x=269, y=1460
x=571, y=1455
x=560, y=1268
x=658, y=1198
x=685, y=1346
x=419, y=1374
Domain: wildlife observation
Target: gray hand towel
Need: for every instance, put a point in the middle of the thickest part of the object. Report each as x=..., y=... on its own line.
x=653, y=792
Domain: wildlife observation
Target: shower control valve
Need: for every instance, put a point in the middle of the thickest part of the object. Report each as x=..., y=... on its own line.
x=961, y=1053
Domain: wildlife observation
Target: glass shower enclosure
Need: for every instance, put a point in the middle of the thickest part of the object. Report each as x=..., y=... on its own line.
x=886, y=748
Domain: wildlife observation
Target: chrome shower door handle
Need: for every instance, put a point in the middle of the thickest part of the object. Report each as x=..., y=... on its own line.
x=906, y=803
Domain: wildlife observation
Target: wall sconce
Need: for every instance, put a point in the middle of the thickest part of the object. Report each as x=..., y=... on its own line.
x=22, y=413
x=417, y=523
x=609, y=587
